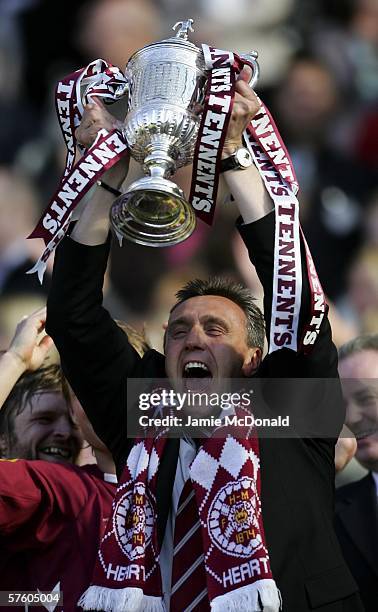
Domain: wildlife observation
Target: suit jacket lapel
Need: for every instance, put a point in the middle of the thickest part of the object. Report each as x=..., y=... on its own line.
x=359, y=513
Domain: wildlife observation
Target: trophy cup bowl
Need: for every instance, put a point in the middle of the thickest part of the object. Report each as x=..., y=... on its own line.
x=166, y=82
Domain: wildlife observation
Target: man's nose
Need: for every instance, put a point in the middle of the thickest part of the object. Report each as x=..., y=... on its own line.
x=63, y=428
x=195, y=338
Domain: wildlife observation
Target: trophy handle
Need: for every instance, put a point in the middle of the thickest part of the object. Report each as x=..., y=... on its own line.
x=252, y=59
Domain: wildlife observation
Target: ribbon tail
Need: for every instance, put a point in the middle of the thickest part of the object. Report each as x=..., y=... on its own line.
x=40, y=268
x=118, y=236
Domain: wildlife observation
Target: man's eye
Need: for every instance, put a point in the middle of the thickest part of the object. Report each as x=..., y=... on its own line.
x=179, y=333
x=44, y=418
x=214, y=331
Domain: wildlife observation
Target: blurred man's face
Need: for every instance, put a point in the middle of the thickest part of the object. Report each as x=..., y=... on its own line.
x=359, y=375
x=45, y=430
x=306, y=100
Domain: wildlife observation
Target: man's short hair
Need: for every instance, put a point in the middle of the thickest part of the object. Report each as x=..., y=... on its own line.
x=237, y=293
x=45, y=379
x=367, y=342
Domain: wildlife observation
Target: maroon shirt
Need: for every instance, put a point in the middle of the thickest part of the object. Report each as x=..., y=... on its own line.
x=52, y=518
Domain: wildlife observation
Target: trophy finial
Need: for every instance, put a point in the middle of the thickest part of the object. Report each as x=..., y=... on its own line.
x=186, y=26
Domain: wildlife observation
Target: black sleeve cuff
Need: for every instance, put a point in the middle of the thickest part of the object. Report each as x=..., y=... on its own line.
x=259, y=238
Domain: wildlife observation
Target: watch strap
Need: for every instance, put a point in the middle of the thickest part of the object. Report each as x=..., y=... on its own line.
x=236, y=161
x=229, y=163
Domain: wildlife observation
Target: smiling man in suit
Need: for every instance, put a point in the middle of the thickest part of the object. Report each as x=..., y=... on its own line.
x=357, y=503
x=297, y=474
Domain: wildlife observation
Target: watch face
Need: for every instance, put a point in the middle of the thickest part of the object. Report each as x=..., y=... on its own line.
x=243, y=158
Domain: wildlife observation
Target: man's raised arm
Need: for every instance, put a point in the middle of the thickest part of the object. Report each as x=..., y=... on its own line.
x=26, y=351
x=258, y=232
x=318, y=402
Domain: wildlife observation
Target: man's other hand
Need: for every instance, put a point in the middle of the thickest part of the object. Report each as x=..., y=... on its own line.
x=27, y=346
x=345, y=449
x=246, y=106
x=95, y=118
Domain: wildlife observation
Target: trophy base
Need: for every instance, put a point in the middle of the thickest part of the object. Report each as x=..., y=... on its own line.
x=153, y=212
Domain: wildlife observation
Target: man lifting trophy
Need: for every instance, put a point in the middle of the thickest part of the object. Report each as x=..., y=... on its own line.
x=234, y=520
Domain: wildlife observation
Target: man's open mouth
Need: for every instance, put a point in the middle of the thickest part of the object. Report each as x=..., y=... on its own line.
x=56, y=452
x=196, y=369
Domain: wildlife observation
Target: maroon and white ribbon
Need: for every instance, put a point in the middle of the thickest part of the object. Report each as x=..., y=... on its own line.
x=216, y=115
x=98, y=79
x=319, y=307
x=265, y=145
x=276, y=169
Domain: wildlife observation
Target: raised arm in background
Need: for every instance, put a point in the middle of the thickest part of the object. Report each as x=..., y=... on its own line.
x=26, y=352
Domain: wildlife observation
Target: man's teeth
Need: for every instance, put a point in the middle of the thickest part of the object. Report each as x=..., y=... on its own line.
x=196, y=369
x=54, y=450
x=195, y=364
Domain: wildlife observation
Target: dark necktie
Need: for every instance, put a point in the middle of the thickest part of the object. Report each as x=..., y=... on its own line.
x=189, y=592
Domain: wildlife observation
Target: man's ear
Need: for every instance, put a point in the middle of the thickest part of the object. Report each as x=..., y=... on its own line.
x=4, y=446
x=252, y=362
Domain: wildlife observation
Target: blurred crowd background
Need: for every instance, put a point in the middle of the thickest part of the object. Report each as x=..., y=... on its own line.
x=319, y=77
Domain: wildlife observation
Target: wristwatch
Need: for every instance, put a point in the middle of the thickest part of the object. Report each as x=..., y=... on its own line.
x=241, y=159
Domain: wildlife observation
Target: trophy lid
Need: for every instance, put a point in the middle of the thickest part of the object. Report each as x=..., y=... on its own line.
x=179, y=41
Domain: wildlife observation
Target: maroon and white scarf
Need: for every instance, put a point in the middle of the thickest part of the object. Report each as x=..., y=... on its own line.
x=225, y=475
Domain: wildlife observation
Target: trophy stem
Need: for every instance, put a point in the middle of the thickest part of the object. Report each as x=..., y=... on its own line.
x=158, y=164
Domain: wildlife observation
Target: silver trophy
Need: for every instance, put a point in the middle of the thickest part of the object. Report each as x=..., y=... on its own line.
x=166, y=83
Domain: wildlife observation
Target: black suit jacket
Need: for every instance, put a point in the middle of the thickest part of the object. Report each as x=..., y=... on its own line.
x=297, y=475
x=356, y=526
